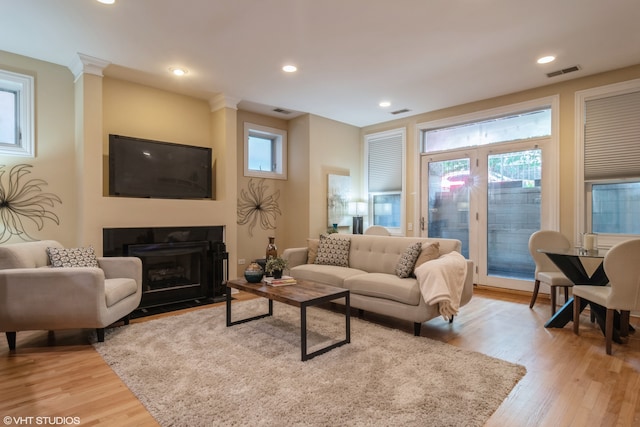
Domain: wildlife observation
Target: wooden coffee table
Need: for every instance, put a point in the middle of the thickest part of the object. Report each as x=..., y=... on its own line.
x=303, y=294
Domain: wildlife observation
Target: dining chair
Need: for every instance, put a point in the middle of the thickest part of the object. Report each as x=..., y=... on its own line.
x=377, y=230
x=622, y=266
x=546, y=271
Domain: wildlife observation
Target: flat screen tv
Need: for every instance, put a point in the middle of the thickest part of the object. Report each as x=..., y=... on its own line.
x=155, y=169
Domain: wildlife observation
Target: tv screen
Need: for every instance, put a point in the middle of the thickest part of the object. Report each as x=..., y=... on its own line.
x=155, y=169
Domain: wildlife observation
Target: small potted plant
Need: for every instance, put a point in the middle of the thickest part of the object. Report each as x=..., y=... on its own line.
x=275, y=266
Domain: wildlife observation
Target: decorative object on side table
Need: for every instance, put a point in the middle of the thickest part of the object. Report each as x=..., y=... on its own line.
x=332, y=230
x=253, y=273
x=275, y=266
x=590, y=241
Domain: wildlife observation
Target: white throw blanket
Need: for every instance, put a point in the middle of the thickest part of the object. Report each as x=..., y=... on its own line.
x=441, y=282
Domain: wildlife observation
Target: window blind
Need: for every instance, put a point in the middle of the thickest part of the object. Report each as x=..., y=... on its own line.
x=385, y=162
x=612, y=137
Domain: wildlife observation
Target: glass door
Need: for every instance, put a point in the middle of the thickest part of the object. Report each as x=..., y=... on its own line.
x=491, y=199
x=448, y=195
x=513, y=213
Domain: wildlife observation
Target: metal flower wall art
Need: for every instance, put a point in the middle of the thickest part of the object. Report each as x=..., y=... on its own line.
x=22, y=202
x=255, y=206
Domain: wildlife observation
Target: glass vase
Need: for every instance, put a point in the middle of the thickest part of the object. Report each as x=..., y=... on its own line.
x=272, y=250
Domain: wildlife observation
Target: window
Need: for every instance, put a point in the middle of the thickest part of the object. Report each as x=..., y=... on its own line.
x=513, y=127
x=16, y=114
x=609, y=158
x=385, y=179
x=265, y=152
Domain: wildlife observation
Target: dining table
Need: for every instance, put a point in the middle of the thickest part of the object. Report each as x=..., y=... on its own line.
x=570, y=262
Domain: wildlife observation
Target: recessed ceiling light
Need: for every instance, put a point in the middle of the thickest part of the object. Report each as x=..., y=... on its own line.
x=107, y=1
x=178, y=71
x=546, y=59
x=289, y=68
x=385, y=104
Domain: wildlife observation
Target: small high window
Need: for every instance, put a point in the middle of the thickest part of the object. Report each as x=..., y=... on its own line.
x=265, y=152
x=16, y=114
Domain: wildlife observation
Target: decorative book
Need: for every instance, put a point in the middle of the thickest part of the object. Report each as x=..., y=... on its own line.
x=283, y=281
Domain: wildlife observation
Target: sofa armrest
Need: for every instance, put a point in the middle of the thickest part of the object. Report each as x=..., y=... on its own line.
x=122, y=267
x=295, y=256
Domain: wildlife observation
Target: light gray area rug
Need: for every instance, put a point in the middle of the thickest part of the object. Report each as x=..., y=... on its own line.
x=191, y=370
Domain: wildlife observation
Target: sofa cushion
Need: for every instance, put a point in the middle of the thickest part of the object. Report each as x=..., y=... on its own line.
x=407, y=260
x=333, y=251
x=387, y=286
x=312, y=250
x=115, y=290
x=327, y=274
x=430, y=251
x=72, y=257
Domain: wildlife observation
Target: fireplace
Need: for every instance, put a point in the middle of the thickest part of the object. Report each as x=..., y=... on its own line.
x=178, y=263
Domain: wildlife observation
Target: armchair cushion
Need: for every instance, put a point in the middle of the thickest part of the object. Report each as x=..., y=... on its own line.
x=115, y=290
x=72, y=257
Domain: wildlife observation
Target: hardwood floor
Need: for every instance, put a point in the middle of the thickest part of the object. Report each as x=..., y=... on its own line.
x=570, y=381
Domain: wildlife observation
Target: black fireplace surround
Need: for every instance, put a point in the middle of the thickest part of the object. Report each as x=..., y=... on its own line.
x=178, y=263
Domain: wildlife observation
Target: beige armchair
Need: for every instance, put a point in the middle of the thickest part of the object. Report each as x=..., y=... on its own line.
x=34, y=295
x=622, y=266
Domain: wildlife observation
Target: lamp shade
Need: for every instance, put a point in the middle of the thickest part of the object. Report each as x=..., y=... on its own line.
x=357, y=208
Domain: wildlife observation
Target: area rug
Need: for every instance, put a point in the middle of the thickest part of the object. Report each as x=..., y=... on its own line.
x=191, y=369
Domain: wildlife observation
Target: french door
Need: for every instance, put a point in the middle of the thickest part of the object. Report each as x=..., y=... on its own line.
x=492, y=199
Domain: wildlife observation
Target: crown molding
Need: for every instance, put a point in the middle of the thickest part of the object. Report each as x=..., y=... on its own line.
x=223, y=101
x=87, y=64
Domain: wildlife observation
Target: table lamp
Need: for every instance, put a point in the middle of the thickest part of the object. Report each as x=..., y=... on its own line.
x=358, y=210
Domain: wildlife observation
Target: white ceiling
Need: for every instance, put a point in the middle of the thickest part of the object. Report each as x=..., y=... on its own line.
x=421, y=55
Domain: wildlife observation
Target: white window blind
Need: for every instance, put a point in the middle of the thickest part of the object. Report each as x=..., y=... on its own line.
x=385, y=162
x=612, y=137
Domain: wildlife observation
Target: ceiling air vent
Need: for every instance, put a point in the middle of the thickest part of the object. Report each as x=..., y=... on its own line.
x=281, y=111
x=564, y=71
x=404, y=110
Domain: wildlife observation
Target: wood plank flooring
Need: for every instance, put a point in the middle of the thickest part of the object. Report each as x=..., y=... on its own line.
x=570, y=381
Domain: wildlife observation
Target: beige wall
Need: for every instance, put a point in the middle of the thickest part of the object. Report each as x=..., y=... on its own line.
x=297, y=188
x=316, y=147
x=252, y=246
x=73, y=121
x=335, y=148
x=55, y=145
x=566, y=92
x=144, y=112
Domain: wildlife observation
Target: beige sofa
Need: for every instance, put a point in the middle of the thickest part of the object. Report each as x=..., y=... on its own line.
x=371, y=276
x=36, y=296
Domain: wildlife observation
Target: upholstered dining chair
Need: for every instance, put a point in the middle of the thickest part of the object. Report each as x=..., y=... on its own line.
x=546, y=271
x=622, y=266
x=377, y=230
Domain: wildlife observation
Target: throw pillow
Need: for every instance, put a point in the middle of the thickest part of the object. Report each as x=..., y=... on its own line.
x=312, y=250
x=407, y=260
x=72, y=257
x=429, y=251
x=333, y=251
